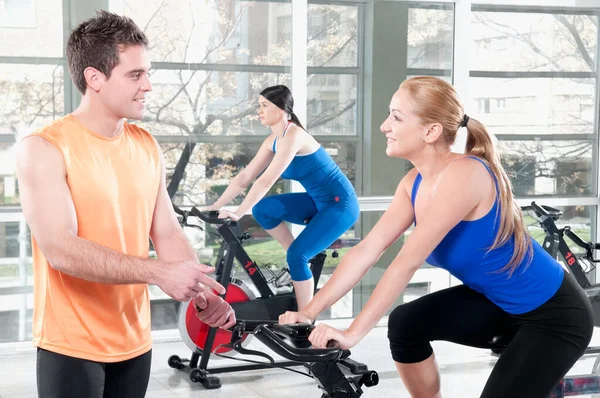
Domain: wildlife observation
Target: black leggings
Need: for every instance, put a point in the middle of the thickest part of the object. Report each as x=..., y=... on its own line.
x=61, y=376
x=543, y=343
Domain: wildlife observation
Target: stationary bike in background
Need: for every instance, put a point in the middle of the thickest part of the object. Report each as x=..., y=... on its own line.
x=257, y=298
x=555, y=244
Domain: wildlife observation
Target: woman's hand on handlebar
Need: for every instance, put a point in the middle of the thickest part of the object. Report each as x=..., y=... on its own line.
x=290, y=317
x=228, y=214
x=323, y=334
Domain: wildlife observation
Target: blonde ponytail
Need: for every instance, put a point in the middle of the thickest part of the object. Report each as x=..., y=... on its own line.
x=480, y=144
x=434, y=100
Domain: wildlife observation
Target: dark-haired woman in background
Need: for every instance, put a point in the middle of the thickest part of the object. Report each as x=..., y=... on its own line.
x=329, y=202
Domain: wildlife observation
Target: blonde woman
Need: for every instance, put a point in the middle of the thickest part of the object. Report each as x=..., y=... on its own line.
x=466, y=221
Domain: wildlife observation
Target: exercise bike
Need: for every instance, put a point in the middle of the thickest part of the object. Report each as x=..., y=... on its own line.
x=258, y=298
x=336, y=375
x=555, y=245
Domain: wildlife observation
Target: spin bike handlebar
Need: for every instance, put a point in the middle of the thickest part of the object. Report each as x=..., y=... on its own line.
x=270, y=334
x=209, y=217
x=544, y=212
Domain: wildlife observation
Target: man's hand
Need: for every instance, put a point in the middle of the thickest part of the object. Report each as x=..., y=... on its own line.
x=216, y=312
x=186, y=280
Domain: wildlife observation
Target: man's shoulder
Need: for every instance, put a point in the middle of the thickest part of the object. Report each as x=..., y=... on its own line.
x=136, y=128
x=139, y=132
x=53, y=133
x=141, y=137
x=54, y=128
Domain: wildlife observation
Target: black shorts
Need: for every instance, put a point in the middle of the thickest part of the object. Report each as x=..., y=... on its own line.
x=543, y=344
x=61, y=376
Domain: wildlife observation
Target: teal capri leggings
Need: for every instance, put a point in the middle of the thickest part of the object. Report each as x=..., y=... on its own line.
x=329, y=219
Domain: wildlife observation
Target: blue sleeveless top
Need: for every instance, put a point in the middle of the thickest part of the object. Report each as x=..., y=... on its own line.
x=319, y=175
x=464, y=252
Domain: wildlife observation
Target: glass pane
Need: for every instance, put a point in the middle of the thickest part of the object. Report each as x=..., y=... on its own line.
x=15, y=267
x=332, y=105
x=332, y=35
x=430, y=37
x=33, y=97
x=215, y=31
x=16, y=311
x=198, y=103
x=539, y=106
x=31, y=28
x=549, y=167
x=533, y=42
x=9, y=193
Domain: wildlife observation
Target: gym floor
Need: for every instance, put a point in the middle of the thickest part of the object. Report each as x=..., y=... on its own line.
x=464, y=371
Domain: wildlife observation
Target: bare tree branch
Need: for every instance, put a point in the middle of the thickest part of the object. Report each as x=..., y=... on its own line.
x=251, y=110
x=577, y=37
x=514, y=33
x=320, y=121
x=169, y=122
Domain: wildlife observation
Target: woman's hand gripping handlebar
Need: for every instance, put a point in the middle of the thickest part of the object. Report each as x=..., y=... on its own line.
x=276, y=337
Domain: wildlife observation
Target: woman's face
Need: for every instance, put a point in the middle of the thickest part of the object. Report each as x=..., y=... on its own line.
x=402, y=128
x=268, y=112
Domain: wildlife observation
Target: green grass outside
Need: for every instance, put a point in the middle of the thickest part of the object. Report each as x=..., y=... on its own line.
x=270, y=254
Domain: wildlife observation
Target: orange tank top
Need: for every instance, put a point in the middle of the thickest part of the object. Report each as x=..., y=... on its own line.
x=114, y=184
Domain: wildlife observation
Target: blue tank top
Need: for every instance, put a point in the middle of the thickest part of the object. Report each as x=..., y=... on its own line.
x=319, y=175
x=464, y=252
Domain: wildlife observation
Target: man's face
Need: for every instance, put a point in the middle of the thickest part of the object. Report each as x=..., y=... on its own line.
x=124, y=92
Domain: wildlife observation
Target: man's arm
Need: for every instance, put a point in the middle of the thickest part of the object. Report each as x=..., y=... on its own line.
x=49, y=210
x=172, y=244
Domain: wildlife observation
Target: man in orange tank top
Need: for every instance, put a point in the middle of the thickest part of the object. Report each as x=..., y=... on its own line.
x=93, y=192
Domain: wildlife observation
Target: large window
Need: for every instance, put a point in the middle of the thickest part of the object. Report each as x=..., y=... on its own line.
x=531, y=77
x=210, y=63
x=430, y=39
x=32, y=83
x=533, y=83
x=334, y=70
